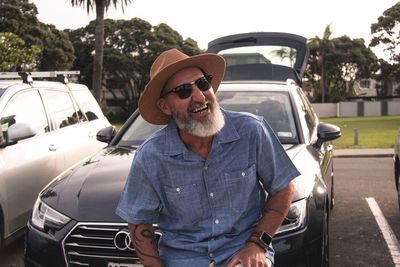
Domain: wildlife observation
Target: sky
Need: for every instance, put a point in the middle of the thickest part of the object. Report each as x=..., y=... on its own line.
x=205, y=20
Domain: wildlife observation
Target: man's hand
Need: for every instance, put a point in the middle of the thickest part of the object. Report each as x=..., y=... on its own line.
x=251, y=255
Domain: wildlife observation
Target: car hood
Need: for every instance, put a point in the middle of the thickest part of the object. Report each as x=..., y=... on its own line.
x=90, y=191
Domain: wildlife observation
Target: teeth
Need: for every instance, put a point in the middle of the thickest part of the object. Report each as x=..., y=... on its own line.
x=200, y=108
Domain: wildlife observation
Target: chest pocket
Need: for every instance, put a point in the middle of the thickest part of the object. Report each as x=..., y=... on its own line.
x=242, y=189
x=185, y=203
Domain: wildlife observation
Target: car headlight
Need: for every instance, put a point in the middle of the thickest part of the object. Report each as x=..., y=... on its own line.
x=295, y=218
x=44, y=217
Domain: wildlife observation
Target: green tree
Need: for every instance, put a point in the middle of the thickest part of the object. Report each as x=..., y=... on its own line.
x=20, y=18
x=335, y=64
x=385, y=33
x=319, y=48
x=14, y=53
x=129, y=50
x=101, y=7
x=286, y=52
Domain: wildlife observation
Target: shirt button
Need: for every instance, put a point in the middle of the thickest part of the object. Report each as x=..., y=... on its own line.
x=216, y=221
x=206, y=167
x=211, y=194
x=243, y=174
x=211, y=255
x=178, y=189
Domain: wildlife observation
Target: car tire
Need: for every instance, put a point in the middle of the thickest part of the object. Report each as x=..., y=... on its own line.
x=1, y=230
x=332, y=202
x=397, y=177
x=325, y=241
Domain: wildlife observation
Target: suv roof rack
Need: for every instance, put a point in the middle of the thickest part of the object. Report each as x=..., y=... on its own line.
x=27, y=77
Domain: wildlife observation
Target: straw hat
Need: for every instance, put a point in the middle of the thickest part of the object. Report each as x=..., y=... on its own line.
x=168, y=63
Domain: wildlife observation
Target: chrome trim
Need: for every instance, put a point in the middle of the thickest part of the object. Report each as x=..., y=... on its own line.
x=86, y=225
x=98, y=256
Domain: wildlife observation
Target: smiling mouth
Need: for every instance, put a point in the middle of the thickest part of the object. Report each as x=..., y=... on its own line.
x=201, y=108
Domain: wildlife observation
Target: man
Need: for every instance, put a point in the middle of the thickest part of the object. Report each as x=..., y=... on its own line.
x=202, y=177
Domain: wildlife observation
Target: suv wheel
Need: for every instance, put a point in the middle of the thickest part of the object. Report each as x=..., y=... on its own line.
x=1, y=230
x=397, y=177
x=325, y=241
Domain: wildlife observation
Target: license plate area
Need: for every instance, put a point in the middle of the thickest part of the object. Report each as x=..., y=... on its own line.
x=117, y=264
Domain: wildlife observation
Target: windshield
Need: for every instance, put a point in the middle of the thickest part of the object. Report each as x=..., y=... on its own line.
x=275, y=107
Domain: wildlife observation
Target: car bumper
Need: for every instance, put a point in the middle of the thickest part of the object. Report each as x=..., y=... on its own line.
x=295, y=251
x=43, y=249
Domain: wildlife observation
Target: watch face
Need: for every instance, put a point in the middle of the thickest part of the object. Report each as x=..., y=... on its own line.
x=266, y=239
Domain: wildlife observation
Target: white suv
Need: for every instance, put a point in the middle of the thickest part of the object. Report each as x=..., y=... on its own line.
x=46, y=127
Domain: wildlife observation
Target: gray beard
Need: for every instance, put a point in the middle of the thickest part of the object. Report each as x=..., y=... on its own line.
x=204, y=128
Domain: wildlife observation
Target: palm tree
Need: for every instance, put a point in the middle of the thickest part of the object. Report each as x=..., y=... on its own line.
x=101, y=7
x=322, y=47
x=286, y=52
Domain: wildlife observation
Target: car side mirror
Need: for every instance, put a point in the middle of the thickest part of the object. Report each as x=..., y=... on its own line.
x=106, y=134
x=327, y=132
x=20, y=131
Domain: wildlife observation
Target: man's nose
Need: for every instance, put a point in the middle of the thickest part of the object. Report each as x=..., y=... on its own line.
x=197, y=94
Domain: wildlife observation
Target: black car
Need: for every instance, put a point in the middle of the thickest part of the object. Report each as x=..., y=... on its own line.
x=74, y=221
x=396, y=158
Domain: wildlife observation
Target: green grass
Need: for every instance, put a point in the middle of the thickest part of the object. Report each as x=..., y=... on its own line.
x=373, y=132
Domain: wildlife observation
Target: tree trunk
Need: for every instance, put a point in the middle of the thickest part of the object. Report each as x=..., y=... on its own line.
x=322, y=82
x=98, y=54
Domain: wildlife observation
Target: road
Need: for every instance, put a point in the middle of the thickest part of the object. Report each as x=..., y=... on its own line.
x=355, y=237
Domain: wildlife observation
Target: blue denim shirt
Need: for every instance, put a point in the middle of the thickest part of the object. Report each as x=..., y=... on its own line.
x=206, y=208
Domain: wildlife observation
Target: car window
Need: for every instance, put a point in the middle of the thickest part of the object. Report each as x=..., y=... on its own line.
x=88, y=104
x=309, y=114
x=62, y=108
x=25, y=107
x=139, y=131
x=275, y=107
x=259, y=63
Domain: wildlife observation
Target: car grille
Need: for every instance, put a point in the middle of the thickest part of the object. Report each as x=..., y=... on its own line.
x=91, y=244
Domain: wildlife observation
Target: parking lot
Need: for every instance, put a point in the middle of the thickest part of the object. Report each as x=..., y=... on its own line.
x=356, y=237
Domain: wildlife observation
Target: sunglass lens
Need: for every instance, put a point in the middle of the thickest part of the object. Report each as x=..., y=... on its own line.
x=184, y=91
x=203, y=84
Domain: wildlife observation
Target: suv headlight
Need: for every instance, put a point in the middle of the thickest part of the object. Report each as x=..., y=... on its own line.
x=295, y=218
x=44, y=217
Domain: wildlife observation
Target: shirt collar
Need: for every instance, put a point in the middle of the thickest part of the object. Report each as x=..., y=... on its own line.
x=175, y=146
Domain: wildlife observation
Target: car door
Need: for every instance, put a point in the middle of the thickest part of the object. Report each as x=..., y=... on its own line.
x=28, y=165
x=73, y=138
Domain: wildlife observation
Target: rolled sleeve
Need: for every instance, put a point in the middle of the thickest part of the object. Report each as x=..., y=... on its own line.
x=275, y=168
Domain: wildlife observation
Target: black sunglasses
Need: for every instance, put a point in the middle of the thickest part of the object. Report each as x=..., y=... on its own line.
x=183, y=91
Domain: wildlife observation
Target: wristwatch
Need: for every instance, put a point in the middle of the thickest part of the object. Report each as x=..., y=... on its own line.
x=265, y=239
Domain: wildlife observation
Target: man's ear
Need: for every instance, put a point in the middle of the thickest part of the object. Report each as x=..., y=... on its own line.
x=163, y=105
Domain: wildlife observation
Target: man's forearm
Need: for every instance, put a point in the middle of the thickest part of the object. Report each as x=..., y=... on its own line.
x=276, y=208
x=145, y=243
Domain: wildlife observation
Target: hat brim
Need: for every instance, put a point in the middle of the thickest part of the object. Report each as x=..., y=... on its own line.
x=210, y=63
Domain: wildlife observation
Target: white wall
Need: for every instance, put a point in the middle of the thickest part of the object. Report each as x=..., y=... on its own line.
x=352, y=109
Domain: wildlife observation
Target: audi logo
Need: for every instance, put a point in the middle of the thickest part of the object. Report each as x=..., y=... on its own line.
x=122, y=240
